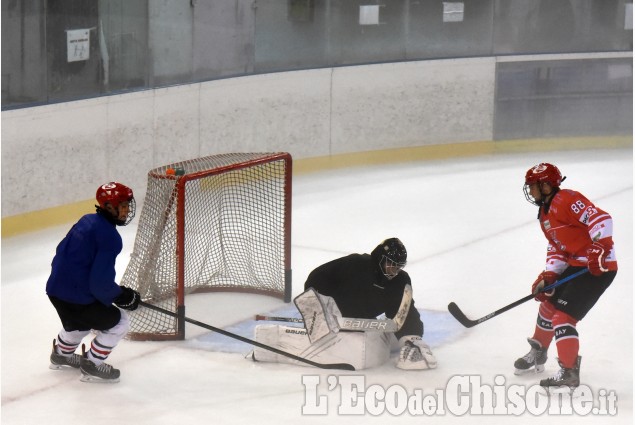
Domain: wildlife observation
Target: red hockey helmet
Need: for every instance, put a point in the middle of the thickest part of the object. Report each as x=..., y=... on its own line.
x=114, y=194
x=541, y=173
x=544, y=173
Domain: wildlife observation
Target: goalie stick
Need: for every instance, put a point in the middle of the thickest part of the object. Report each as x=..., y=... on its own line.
x=353, y=324
x=343, y=366
x=259, y=317
x=468, y=323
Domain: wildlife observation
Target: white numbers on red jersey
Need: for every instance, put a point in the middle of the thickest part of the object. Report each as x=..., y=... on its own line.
x=583, y=212
x=578, y=206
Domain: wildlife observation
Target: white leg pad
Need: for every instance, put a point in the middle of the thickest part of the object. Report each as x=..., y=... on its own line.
x=363, y=350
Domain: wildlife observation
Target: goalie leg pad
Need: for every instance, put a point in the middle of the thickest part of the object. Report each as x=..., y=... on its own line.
x=363, y=350
x=320, y=314
x=291, y=339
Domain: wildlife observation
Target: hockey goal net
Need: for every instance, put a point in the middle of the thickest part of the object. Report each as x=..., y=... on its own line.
x=219, y=223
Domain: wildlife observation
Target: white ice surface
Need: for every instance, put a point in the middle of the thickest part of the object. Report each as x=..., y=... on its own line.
x=471, y=238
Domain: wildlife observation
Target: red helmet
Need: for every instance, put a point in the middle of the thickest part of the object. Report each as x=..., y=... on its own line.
x=541, y=173
x=544, y=173
x=113, y=193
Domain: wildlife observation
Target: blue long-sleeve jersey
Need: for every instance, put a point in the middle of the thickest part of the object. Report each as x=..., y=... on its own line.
x=83, y=269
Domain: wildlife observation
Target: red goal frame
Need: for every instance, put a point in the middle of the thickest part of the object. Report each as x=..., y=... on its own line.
x=179, y=197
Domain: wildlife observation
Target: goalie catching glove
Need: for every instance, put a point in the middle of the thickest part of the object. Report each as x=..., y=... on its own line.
x=415, y=354
x=128, y=299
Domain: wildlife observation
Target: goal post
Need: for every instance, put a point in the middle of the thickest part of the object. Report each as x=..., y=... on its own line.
x=218, y=223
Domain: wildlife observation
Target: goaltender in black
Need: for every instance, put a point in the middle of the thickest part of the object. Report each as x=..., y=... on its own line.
x=366, y=286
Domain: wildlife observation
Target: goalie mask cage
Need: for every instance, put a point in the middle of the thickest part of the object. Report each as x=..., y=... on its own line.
x=219, y=223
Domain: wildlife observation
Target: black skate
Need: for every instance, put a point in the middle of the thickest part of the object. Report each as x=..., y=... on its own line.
x=535, y=359
x=104, y=373
x=565, y=380
x=60, y=361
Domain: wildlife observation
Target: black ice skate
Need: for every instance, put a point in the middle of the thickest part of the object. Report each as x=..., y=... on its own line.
x=534, y=360
x=91, y=372
x=60, y=361
x=566, y=379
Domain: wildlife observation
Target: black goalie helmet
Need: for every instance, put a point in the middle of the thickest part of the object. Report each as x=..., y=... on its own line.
x=390, y=256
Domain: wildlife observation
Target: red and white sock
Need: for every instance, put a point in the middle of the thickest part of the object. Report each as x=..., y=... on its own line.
x=543, y=332
x=566, y=336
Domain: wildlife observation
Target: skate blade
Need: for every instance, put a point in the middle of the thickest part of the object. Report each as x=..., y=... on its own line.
x=62, y=367
x=96, y=380
x=536, y=369
x=560, y=389
x=414, y=366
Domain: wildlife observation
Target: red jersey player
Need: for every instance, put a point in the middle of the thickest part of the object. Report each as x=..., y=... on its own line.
x=579, y=235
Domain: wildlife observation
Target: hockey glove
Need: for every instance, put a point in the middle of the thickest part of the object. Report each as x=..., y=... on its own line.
x=415, y=354
x=544, y=279
x=596, y=255
x=128, y=299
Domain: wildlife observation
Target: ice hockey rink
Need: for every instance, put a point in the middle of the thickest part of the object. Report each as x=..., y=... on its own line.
x=472, y=238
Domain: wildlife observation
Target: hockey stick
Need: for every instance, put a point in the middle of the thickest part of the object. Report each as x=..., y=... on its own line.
x=344, y=366
x=468, y=323
x=278, y=318
x=344, y=323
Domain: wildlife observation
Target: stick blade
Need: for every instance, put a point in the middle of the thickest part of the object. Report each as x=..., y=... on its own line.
x=460, y=316
x=342, y=366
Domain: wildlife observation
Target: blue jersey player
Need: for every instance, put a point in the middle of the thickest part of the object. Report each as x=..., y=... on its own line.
x=83, y=290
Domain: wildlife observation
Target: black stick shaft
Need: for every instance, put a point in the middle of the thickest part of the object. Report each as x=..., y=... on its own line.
x=344, y=366
x=468, y=323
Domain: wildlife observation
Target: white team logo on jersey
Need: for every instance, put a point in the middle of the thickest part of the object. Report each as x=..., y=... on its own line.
x=546, y=224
